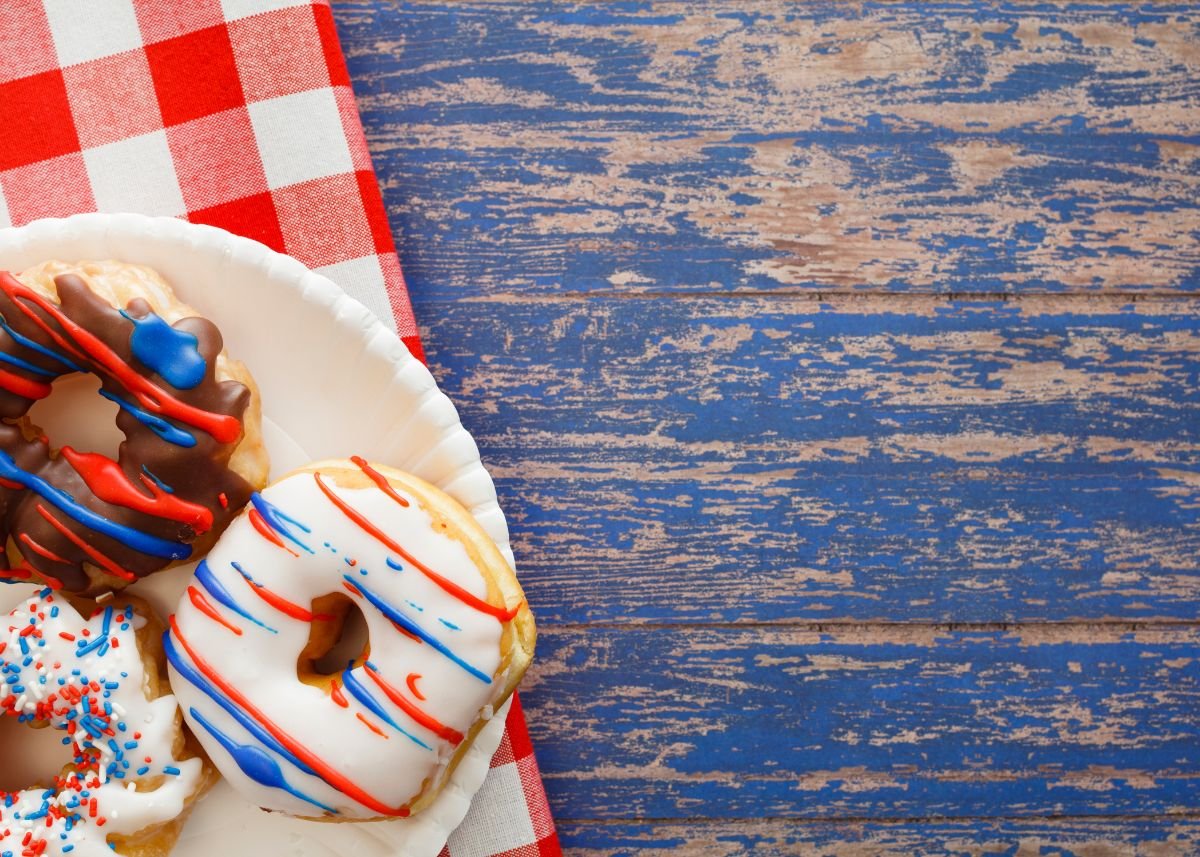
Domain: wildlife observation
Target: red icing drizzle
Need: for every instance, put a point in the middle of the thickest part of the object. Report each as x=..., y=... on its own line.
x=411, y=681
x=407, y=632
x=371, y=726
x=26, y=572
x=449, y=586
x=428, y=721
x=108, y=481
x=287, y=607
x=205, y=606
x=18, y=573
x=41, y=550
x=97, y=557
x=323, y=770
x=23, y=387
x=354, y=590
x=335, y=693
x=379, y=479
x=265, y=530
x=223, y=428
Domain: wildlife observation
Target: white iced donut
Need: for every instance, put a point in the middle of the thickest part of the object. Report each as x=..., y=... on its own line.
x=449, y=638
x=128, y=776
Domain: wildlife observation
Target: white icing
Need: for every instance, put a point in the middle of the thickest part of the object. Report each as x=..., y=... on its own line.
x=32, y=688
x=261, y=665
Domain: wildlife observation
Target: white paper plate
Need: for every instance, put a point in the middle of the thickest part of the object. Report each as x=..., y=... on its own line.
x=335, y=382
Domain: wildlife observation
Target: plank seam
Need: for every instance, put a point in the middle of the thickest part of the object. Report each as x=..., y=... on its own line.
x=882, y=821
x=852, y=625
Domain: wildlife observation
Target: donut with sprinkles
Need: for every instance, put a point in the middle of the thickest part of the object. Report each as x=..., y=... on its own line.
x=377, y=735
x=129, y=772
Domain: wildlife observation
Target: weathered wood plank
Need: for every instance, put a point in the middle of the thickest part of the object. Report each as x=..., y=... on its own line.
x=892, y=459
x=679, y=723
x=704, y=146
x=875, y=458
x=1164, y=837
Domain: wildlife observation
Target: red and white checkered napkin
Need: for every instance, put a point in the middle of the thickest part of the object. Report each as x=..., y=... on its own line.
x=236, y=113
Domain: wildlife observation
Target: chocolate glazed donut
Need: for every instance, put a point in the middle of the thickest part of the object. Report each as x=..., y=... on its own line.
x=80, y=520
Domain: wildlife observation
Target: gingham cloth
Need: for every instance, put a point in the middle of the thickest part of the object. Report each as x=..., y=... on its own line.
x=239, y=114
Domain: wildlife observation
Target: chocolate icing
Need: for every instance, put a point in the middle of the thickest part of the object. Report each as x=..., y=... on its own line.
x=199, y=474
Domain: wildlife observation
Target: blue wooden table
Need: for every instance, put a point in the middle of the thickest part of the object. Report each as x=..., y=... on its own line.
x=838, y=366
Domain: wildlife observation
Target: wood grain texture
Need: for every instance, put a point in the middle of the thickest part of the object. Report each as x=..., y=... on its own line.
x=1105, y=838
x=880, y=458
x=867, y=722
x=708, y=146
x=838, y=365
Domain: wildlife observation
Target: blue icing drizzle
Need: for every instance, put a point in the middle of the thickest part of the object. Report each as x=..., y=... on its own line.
x=208, y=580
x=172, y=353
x=136, y=539
x=38, y=347
x=279, y=520
x=413, y=628
x=194, y=677
x=256, y=764
x=237, y=566
x=26, y=365
x=352, y=684
x=163, y=485
x=158, y=425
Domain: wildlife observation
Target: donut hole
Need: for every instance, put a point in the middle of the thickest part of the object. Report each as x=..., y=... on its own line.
x=31, y=756
x=333, y=643
x=76, y=415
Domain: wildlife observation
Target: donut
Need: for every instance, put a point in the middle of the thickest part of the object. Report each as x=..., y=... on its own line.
x=377, y=735
x=130, y=774
x=192, y=451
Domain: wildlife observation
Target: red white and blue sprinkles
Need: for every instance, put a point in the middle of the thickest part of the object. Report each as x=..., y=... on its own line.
x=84, y=677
